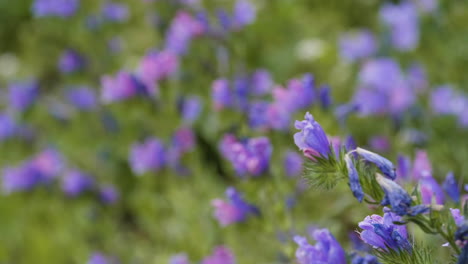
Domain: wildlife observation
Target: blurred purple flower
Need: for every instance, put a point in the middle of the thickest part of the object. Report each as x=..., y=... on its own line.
x=353, y=177
x=450, y=186
x=71, y=61
x=115, y=12
x=357, y=45
x=326, y=250
x=8, y=126
x=292, y=164
x=278, y=117
x=22, y=94
x=221, y=94
x=312, y=138
x=156, y=66
x=244, y=14
x=190, y=108
x=366, y=259
x=183, y=140
x=417, y=77
x=421, y=165
x=442, y=99
x=82, y=98
x=261, y=82
x=75, y=182
x=431, y=191
x=403, y=21
x=325, y=96
x=380, y=143
x=123, y=86
x=385, y=166
x=234, y=210
x=59, y=8
x=147, y=156
x=49, y=163
x=427, y=6
x=258, y=117
x=403, y=169
x=99, y=258
x=182, y=30
x=221, y=255
x=21, y=178
x=457, y=217
x=179, y=259
x=108, y=194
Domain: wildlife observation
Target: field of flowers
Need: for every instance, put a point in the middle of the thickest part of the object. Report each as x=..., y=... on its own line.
x=233, y=131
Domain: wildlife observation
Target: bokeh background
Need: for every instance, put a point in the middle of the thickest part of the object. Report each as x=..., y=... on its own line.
x=150, y=216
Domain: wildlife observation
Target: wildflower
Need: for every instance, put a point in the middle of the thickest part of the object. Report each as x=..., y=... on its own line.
x=75, y=182
x=49, y=163
x=71, y=61
x=59, y=8
x=118, y=88
x=366, y=259
x=324, y=96
x=380, y=143
x=115, y=12
x=21, y=178
x=417, y=77
x=450, y=186
x=382, y=163
x=147, y=156
x=312, y=138
x=421, y=165
x=8, y=126
x=158, y=65
x=258, y=118
x=190, y=108
x=99, y=258
x=244, y=14
x=457, y=217
x=221, y=255
x=326, y=250
x=354, y=183
x=430, y=190
x=82, y=98
x=261, y=82
x=442, y=100
x=403, y=167
x=22, y=94
x=183, y=140
x=357, y=45
x=381, y=232
x=221, y=94
x=234, y=210
x=292, y=164
x=183, y=28
x=403, y=22
x=108, y=194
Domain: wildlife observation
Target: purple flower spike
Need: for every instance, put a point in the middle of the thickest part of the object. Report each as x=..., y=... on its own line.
x=353, y=176
x=450, y=186
x=326, y=250
x=292, y=164
x=431, y=191
x=244, y=14
x=115, y=12
x=395, y=196
x=221, y=255
x=357, y=45
x=71, y=61
x=312, y=137
x=457, y=217
x=22, y=94
x=221, y=94
x=403, y=167
x=183, y=29
x=59, y=8
x=258, y=118
x=76, y=182
x=421, y=166
x=234, y=210
x=382, y=163
x=147, y=156
x=82, y=98
x=381, y=232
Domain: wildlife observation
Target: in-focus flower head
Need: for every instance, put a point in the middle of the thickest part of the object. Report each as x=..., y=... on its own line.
x=312, y=139
x=353, y=177
x=385, y=166
x=450, y=187
x=58, y=8
x=326, y=249
x=147, y=156
x=221, y=255
x=381, y=232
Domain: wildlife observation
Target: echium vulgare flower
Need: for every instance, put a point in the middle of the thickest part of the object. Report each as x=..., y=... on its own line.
x=326, y=250
x=234, y=210
x=381, y=232
x=59, y=8
x=22, y=94
x=75, y=182
x=83, y=98
x=147, y=156
x=366, y=259
x=115, y=12
x=357, y=45
x=312, y=139
x=384, y=165
x=71, y=61
x=353, y=176
x=184, y=27
x=221, y=255
x=403, y=21
x=450, y=186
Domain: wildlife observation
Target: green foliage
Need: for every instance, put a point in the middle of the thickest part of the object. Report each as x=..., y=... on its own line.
x=419, y=255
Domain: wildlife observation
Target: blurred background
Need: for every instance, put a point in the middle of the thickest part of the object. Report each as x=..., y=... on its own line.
x=123, y=123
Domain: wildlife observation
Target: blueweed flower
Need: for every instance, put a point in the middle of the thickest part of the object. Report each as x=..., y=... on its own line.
x=353, y=177
x=312, y=138
x=292, y=164
x=357, y=45
x=366, y=259
x=75, y=182
x=221, y=94
x=8, y=126
x=381, y=232
x=71, y=61
x=403, y=168
x=450, y=186
x=147, y=156
x=380, y=143
x=182, y=30
x=258, y=117
x=59, y=8
x=220, y=255
x=385, y=166
x=421, y=165
x=108, y=194
x=326, y=249
x=417, y=77
x=190, y=108
x=261, y=82
x=49, y=163
x=115, y=12
x=224, y=20
x=22, y=94
x=118, y=88
x=350, y=143
x=431, y=191
x=183, y=140
x=402, y=19
x=241, y=93
x=324, y=96
x=234, y=210
x=457, y=217
x=157, y=65
x=244, y=14
x=21, y=178
x=442, y=99
x=179, y=259
x=83, y=98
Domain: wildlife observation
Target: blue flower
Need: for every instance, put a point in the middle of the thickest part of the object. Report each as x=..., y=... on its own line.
x=450, y=186
x=354, y=184
x=382, y=163
x=312, y=137
x=367, y=259
x=326, y=250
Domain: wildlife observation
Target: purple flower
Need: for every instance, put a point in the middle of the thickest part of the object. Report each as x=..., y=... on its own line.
x=381, y=232
x=59, y=8
x=115, y=12
x=312, y=137
x=261, y=82
x=421, y=165
x=450, y=186
x=357, y=45
x=292, y=164
x=258, y=118
x=75, y=182
x=108, y=194
x=417, y=77
x=278, y=116
x=403, y=22
x=326, y=250
x=147, y=156
x=49, y=163
x=431, y=191
x=457, y=217
x=71, y=61
x=179, y=259
x=183, y=28
x=118, y=88
x=367, y=259
x=442, y=99
x=21, y=178
x=183, y=140
x=156, y=66
x=353, y=176
x=403, y=169
x=99, y=258
x=380, y=143
x=244, y=13
x=324, y=96
x=234, y=210
x=22, y=94
x=385, y=166
x=82, y=98
x=221, y=94
x=221, y=255
x=8, y=126
x=190, y=108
